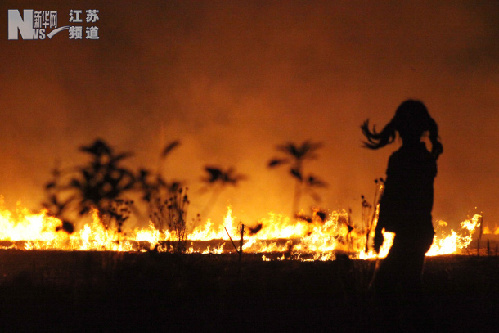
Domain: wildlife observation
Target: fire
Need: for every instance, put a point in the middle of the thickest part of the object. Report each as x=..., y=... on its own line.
x=317, y=239
x=455, y=242
x=487, y=231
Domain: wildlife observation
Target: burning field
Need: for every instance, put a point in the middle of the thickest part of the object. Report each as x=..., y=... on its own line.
x=288, y=275
x=62, y=272
x=198, y=165
x=318, y=238
x=101, y=190
x=280, y=273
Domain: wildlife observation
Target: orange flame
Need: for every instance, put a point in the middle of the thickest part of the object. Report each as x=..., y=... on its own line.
x=302, y=240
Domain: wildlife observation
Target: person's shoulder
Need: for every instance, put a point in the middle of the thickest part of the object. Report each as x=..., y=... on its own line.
x=399, y=154
x=395, y=160
x=414, y=154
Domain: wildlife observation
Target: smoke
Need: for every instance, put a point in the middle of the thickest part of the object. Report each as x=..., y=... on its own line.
x=232, y=80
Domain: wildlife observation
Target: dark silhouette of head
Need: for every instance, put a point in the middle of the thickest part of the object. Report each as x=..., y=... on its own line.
x=411, y=121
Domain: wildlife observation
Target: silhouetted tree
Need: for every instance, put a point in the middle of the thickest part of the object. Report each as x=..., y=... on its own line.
x=102, y=184
x=98, y=184
x=217, y=175
x=216, y=179
x=296, y=157
x=103, y=181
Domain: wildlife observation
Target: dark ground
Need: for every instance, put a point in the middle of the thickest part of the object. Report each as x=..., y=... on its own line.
x=103, y=291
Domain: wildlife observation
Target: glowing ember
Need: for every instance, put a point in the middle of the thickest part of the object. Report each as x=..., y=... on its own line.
x=303, y=240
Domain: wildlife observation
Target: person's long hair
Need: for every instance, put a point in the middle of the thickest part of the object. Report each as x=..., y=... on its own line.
x=411, y=121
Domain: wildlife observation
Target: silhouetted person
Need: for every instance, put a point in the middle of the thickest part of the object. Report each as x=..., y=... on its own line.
x=405, y=209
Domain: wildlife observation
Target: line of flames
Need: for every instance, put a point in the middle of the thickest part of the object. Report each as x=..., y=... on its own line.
x=319, y=240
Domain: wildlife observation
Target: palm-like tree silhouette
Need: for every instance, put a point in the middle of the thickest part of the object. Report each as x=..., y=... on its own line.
x=296, y=157
x=216, y=179
x=217, y=175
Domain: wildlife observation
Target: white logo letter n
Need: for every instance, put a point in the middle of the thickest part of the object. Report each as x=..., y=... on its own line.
x=25, y=26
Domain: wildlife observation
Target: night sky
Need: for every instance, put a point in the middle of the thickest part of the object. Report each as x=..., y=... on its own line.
x=233, y=79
